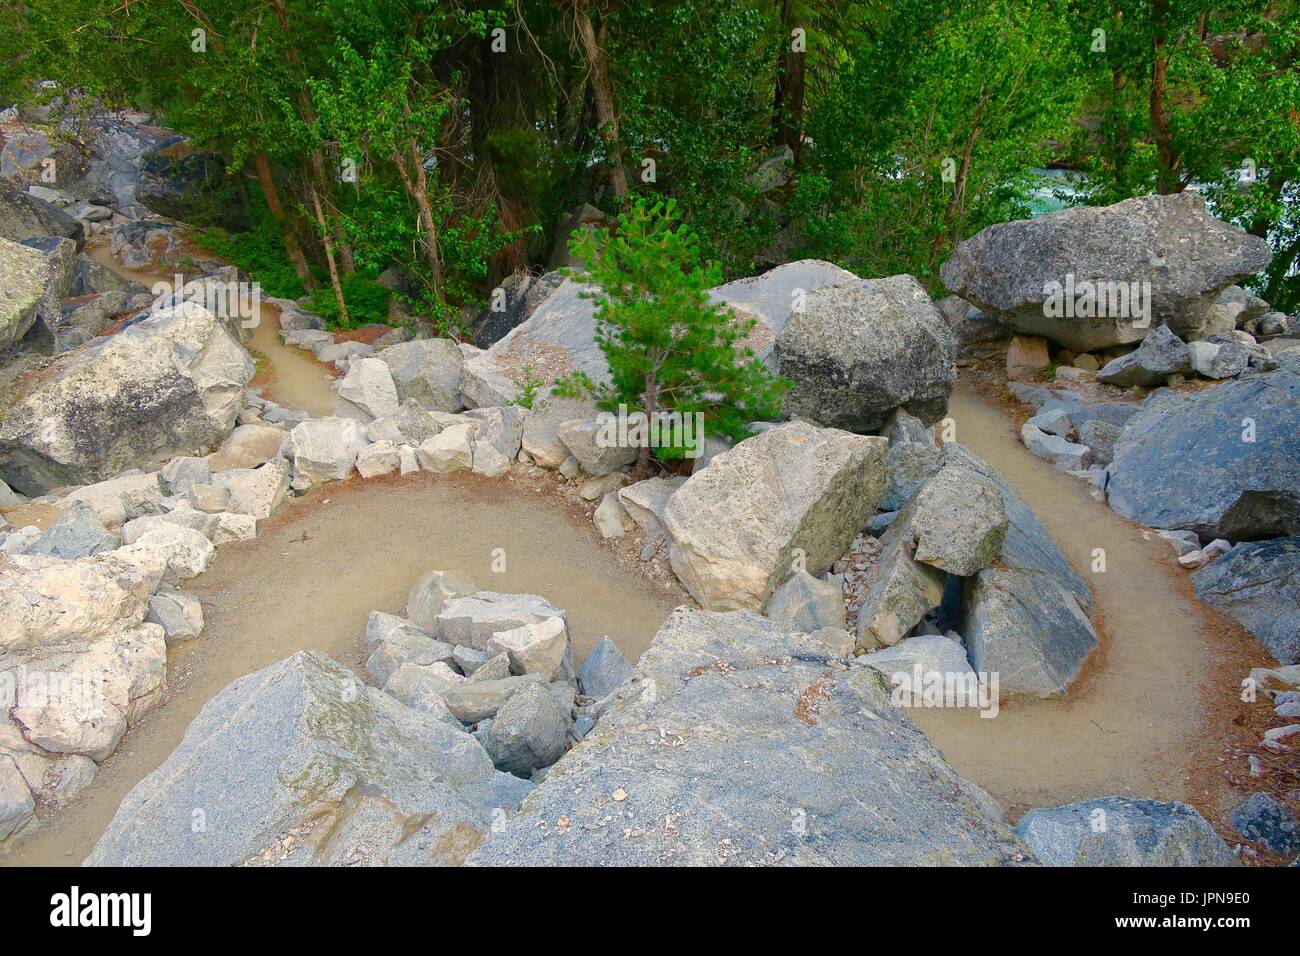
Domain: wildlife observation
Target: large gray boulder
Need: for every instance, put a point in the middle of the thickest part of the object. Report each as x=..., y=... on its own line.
x=1221, y=462
x=162, y=387
x=1120, y=831
x=24, y=276
x=427, y=372
x=1011, y=270
x=1259, y=585
x=1025, y=616
x=794, y=495
x=300, y=751
x=733, y=744
x=528, y=732
x=560, y=335
x=856, y=352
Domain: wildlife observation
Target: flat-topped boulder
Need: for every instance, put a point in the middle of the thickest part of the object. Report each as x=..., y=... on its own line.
x=793, y=495
x=734, y=742
x=1041, y=276
x=164, y=386
x=300, y=750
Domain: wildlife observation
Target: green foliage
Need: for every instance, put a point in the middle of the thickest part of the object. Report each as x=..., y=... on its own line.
x=530, y=386
x=668, y=347
x=259, y=252
x=366, y=299
x=929, y=132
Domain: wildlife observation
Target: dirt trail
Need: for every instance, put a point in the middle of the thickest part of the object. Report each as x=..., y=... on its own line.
x=289, y=376
x=316, y=570
x=1150, y=705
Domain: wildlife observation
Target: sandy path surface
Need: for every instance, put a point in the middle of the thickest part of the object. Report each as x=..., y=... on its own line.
x=322, y=563
x=1150, y=707
x=288, y=376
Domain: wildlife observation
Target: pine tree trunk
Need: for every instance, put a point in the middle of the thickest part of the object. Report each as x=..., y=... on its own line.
x=1167, y=178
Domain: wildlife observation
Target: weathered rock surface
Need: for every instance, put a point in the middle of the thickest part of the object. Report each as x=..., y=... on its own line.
x=805, y=603
x=957, y=521
x=588, y=441
x=1025, y=616
x=858, y=351
x=934, y=653
x=1186, y=255
x=324, y=449
x=604, y=670
x=1161, y=354
x=427, y=372
x=23, y=279
x=1259, y=584
x=367, y=392
x=646, y=500
x=1221, y=462
x=795, y=490
x=300, y=749
x=46, y=600
x=1262, y=819
x=162, y=387
x=77, y=534
x=775, y=758
x=24, y=216
x=1120, y=831
x=528, y=732
x=908, y=466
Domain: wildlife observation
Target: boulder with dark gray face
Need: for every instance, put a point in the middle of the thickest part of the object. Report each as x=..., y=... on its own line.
x=1120, y=831
x=303, y=748
x=1024, y=616
x=165, y=386
x=528, y=732
x=604, y=669
x=794, y=493
x=518, y=297
x=77, y=534
x=1023, y=272
x=1259, y=584
x=1161, y=354
x=1221, y=461
x=733, y=743
x=856, y=352
x=805, y=603
x=908, y=465
x=180, y=182
x=24, y=216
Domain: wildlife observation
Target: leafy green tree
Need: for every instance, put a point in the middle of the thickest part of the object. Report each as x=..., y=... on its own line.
x=668, y=347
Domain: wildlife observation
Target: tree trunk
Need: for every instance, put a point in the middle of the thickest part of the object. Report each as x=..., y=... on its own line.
x=603, y=93
x=651, y=409
x=417, y=186
x=787, y=118
x=1167, y=178
x=291, y=246
x=329, y=257
x=308, y=113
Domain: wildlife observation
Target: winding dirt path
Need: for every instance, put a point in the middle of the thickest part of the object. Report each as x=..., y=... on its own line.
x=288, y=376
x=1152, y=707
x=320, y=565
x=1149, y=716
